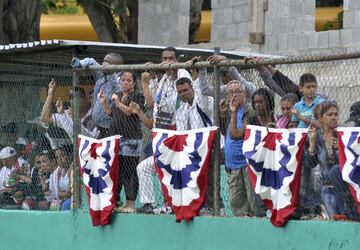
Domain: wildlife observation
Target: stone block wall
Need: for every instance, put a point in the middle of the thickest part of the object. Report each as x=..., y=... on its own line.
x=230, y=20
x=164, y=22
x=289, y=27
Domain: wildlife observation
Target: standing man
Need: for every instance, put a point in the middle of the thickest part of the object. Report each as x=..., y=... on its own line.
x=108, y=82
x=240, y=189
x=162, y=96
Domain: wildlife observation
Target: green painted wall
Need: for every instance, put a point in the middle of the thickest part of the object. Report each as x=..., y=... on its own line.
x=66, y=230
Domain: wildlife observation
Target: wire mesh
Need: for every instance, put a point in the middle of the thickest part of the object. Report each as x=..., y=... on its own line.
x=40, y=179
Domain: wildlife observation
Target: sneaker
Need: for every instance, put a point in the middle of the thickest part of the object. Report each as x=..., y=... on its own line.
x=148, y=208
x=206, y=211
x=163, y=210
x=340, y=217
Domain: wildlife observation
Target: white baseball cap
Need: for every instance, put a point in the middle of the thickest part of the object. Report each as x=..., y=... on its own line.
x=7, y=152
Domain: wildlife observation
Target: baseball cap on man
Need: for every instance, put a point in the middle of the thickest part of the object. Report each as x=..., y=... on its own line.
x=354, y=112
x=7, y=152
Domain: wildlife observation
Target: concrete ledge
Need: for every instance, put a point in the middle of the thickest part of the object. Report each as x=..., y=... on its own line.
x=67, y=230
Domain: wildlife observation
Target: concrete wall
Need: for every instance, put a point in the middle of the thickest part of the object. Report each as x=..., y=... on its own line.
x=289, y=26
x=164, y=22
x=21, y=230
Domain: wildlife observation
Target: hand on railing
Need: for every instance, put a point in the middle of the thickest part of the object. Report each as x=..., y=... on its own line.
x=75, y=63
x=215, y=59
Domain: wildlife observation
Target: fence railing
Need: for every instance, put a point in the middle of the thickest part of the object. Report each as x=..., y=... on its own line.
x=337, y=79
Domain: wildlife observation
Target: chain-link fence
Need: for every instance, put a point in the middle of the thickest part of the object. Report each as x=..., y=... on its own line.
x=37, y=138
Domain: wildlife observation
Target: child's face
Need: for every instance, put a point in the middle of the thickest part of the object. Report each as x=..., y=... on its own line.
x=309, y=89
x=286, y=108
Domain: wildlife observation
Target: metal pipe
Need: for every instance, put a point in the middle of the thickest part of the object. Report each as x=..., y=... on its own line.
x=240, y=63
x=216, y=149
x=77, y=130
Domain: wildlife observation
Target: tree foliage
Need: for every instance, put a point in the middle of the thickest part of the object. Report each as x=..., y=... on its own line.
x=113, y=20
x=60, y=7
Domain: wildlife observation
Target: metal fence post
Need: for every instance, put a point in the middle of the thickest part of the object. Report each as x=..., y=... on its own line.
x=216, y=149
x=77, y=130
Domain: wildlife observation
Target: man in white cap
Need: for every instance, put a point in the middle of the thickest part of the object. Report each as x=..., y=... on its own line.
x=354, y=114
x=8, y=157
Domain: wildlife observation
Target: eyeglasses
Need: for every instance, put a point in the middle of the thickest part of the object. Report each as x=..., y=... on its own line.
x=237, y=91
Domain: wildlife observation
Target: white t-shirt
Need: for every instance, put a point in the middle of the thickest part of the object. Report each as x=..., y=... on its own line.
x=165, y=94
x=195, y=116
x=4, y=175
x=58, y=184
x=65, y=122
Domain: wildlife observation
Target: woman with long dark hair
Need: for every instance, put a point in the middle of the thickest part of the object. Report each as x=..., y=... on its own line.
x=322, y=150
x=128, y=125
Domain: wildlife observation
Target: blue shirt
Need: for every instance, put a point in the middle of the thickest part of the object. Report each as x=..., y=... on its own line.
x=234, y=157
x=110, y=84
x=305, y=110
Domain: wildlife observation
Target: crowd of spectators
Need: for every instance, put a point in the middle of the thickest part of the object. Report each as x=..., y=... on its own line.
x=36, y=172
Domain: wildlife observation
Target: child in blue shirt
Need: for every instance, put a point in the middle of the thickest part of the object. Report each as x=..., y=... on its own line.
x=302, y=112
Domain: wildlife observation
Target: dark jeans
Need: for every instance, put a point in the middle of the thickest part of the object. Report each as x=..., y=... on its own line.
x=337, y=198
x=128, y=176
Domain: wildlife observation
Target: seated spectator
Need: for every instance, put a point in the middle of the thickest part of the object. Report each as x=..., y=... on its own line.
x=107, y=82
x=322, y=150
x=46, y=165
x=302, y=113
x=64, y=118
x=354, y=114
x=128, y=125
x=287, y=102
x=59, y=188
x=8, y=156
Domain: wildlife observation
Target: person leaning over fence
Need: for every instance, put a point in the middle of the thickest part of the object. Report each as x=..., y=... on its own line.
x=64, y=118
x=275, y=79
x=195, y=111
x=128, y=125
x=302, y=112
x=160, y=94
x=227, y=74
x=106, y=81
x=322, y=149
